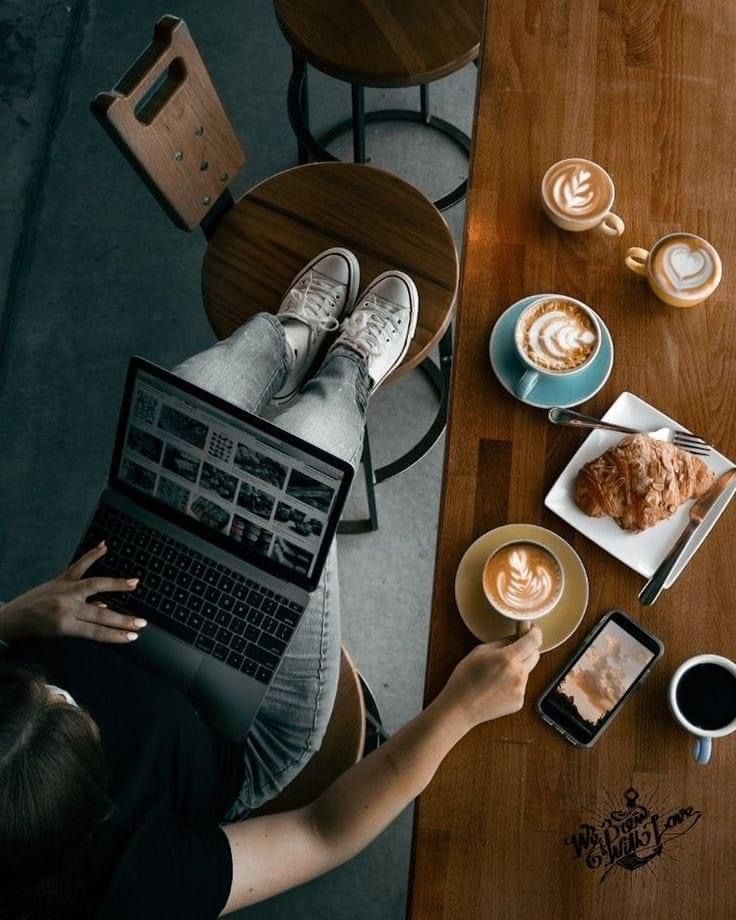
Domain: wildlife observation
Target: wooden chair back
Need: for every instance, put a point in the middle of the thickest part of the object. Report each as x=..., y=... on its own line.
x=167, y=119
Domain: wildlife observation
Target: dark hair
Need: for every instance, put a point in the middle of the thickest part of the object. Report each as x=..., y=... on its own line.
x=52, y=790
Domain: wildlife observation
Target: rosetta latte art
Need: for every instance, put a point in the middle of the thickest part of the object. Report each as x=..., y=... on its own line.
x=559, y=339
x=524, y=587
x=574, y=194
x=578, y=189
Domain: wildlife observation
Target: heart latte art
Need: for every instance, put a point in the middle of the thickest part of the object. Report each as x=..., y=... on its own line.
x=557, y=335
x=522, y=580
x=685, y=266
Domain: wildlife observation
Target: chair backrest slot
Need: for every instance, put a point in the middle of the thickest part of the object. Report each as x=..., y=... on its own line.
x=166, y=117
x=160, y=92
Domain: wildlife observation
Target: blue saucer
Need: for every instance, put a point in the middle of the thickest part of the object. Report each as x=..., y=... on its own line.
x=549, y=391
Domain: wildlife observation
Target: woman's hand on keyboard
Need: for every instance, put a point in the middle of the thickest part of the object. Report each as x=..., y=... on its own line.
x=69, y=605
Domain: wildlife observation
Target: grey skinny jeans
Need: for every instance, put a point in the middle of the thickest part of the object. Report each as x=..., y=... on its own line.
x=247, y=369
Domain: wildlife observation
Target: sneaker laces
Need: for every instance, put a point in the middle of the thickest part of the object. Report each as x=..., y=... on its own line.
x=311, y=305
x=365, y=328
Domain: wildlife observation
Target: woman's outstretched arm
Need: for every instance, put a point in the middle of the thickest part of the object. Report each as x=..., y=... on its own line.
x=276, y=852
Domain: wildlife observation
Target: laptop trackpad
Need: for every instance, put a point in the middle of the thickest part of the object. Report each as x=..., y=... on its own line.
x=157, y=651
x=225, y=698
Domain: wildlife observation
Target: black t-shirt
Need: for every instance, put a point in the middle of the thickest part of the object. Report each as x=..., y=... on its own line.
x=172, y=779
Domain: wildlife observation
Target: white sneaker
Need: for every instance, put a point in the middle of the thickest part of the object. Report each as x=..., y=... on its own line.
x=383, y=324
x=321, y=294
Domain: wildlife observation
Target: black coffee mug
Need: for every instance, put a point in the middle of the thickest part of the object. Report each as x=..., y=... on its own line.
x=702, y=697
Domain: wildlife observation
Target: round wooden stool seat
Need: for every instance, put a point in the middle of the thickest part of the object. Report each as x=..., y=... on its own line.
x=374, y=43
x=282, y=223
x=342, y=746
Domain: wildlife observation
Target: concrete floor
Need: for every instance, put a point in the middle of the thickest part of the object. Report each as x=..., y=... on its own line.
x=93, y=272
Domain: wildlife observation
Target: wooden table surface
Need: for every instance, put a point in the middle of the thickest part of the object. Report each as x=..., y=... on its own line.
x=648, y=90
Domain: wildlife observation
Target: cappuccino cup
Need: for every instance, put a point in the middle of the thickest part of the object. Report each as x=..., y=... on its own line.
x=578, y=194
x=682, y=269
x=523, y=581
x=555, y=336
x=702, y=697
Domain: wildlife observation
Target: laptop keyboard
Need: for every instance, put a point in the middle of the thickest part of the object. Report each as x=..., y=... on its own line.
x=203, y=602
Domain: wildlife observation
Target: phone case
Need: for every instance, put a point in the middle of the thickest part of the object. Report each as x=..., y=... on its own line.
x=589, y=639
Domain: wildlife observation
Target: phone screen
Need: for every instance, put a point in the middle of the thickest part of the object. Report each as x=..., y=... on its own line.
x=587, y=694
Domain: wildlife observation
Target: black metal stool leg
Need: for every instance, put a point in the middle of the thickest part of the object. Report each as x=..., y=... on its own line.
x=312, y=148
x=371, y=522
x=375, y=733
x=440, y=378
x=298, y=106
x=304, y=153
x=358, y=93
x=424, y=103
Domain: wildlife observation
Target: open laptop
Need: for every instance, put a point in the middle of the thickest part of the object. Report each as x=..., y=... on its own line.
x=227, y=520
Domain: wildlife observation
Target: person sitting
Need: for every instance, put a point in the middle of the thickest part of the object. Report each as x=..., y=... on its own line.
x=116, y=799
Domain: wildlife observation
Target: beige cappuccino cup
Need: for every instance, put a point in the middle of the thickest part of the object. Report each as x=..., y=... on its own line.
x=578, y=194
x=682, y=269
x=523, y=581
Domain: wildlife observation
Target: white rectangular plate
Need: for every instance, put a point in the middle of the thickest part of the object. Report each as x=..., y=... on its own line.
x=643, y=551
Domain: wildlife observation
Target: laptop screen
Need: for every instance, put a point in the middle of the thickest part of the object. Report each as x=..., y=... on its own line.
x=257, y=487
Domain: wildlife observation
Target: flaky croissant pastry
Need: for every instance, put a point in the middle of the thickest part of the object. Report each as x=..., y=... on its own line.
x=640, y=482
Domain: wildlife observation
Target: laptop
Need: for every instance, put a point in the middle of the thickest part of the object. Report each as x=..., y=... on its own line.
x=227, y=520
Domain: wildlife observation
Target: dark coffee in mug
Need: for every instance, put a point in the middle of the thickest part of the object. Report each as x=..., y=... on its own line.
x=706, y=696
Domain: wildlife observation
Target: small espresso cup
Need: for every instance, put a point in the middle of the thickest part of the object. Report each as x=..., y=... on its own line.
x=682, y=269
x=702, y=697
x=522, y=581
x=553, y=333
x=578, y=194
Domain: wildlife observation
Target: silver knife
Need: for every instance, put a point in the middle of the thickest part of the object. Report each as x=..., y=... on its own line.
x=698, y=515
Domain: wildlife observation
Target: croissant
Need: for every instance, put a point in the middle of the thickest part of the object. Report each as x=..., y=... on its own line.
x=640, y=482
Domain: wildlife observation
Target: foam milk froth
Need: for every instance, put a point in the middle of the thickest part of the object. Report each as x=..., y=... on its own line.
x=557, y=335
x=523, y=579
x=576, y=188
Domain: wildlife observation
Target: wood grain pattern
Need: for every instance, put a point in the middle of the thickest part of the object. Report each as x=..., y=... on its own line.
x=376, y=43
x=167, y=119
x=646, y=88
x=341, y=748
x=282, y=223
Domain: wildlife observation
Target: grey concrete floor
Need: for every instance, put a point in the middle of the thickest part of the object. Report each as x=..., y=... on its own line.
x=93, y=272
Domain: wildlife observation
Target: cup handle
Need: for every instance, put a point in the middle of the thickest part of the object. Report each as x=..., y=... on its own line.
x=702, y=749
x=611, y=225
x=523, y=627
x=526, y=384
x=636, y=260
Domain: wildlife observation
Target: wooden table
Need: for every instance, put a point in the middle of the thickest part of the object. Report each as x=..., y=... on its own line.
x=647, y=89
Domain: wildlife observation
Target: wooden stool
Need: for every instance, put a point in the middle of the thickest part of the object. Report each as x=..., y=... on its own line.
x=372, y=43
x=167, y=119
x=343, y=746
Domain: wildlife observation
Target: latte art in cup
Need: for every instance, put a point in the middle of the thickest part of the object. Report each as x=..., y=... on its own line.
x=578, y=189
x=522, y=580
x=682, y=269
x=685, y=266
x=578, y=194
x=557, y=336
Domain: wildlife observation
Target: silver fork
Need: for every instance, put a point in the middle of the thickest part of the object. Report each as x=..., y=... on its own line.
x=682, y=439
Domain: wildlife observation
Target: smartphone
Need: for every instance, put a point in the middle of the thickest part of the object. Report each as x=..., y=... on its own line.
x=590, y=691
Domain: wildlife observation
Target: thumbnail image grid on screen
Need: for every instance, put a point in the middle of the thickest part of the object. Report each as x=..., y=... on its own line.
x=230, y=479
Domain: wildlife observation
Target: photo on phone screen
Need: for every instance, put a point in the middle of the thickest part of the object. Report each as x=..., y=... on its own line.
x=582, y=700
